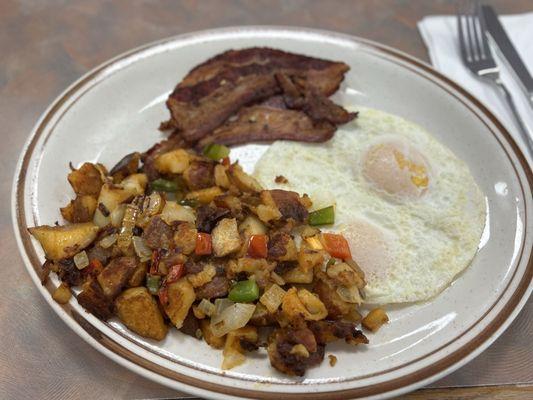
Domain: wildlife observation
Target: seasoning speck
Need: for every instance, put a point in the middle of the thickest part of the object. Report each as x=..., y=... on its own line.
x=332, y=360
x=281, y=179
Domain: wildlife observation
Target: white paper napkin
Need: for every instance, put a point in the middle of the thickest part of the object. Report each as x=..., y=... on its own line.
x=440, y=36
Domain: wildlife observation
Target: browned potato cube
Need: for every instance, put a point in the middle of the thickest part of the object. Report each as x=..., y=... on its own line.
x=375, y=319
x=204, y=196
x=173, y=162
x=138, y=310
x=61, y=242
x=81, y=209
x=86, y=180
x=185, y=237
x=216, y=342
x=225, y=237
x=181, y=296
x=242, y=180
x=233, y=351
x=62, y=294
x=138, y=276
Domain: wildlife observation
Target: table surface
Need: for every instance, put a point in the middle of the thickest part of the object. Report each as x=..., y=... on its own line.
x=46, y=45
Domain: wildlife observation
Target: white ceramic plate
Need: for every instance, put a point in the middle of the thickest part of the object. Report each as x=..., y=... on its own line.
x=116, y=108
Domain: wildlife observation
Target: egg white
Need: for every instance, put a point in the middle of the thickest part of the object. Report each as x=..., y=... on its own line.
x=410, y=247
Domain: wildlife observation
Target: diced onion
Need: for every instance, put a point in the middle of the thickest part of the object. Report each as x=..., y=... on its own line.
x=101, y=220
x=277, y=279
x=349, y=294
x=128, y=223
x=81, y=260
x=272, y=298
x=220, y=306
x=141, y=248
x=175, y=212
x=117, y=215
x=233, y=317
x=108, y=241
x=206, y=307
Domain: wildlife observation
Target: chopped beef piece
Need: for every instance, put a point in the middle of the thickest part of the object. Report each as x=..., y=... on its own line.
x=191, y=325
x=93, y=299
x=207, y=217
x=248, y=346
x=200, y=175
x=193, y=267
x=328, y=331
x=293, y=350
x=116, y=274
x=266, y=124
x=218, y=287
x=285, y=266
x=289, y=204
x=158, y=234
x=69, y=273
x=279, y=245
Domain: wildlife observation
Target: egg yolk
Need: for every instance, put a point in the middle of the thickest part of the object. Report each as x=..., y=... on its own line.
x=398, y=169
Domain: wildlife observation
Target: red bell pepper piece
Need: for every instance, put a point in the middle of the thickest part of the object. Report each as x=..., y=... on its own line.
x=154, y=262
x=174, y=273
x=257, y=246
x=336, y=245
x=204, y=245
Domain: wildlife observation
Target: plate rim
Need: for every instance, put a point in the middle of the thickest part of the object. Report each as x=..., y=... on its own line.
x=98, y=339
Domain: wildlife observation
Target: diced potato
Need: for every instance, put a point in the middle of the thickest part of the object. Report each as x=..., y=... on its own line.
x=185, y=237
x=233, y=352
x=138, y=276
x=62, y=294
x=302, y=302
x=181, y=296
x=221, y=177
x=204, y=276
x=116, y=274
x=86, y=180
x=204, y=196
x=249, y=266
x=110, y=197
x=59, y=242
x=308, y=258
x=298, y=275
x=81, y=209
x=314, y=242
x=92, y=298
x=252, y=226
x=272, y=298
x=138, y=310
x=268, y=213
x=173, y=162
x=242, y=180
x=176, y=212
x=375, y=319
x=217, y=342
x=225, y=237
x=135, y=184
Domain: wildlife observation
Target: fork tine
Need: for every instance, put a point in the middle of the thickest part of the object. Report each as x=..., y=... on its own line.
x=462, y=41
x=484, y=41
x=472, y=37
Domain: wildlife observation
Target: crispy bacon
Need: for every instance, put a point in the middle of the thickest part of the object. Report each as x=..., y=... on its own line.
x=218, y=88
x=262, y=123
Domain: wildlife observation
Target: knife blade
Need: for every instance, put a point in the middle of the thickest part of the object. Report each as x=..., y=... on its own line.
x=497, y=32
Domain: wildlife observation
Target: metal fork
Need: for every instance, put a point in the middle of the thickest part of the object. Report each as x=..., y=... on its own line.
x=477, y=56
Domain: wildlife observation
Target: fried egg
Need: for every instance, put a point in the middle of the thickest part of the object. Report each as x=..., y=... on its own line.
x=409, y=208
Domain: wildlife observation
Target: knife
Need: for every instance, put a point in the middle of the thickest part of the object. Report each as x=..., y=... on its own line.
x=503, y=43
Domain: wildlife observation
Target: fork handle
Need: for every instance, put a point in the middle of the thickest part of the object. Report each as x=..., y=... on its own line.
x=522, y=127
